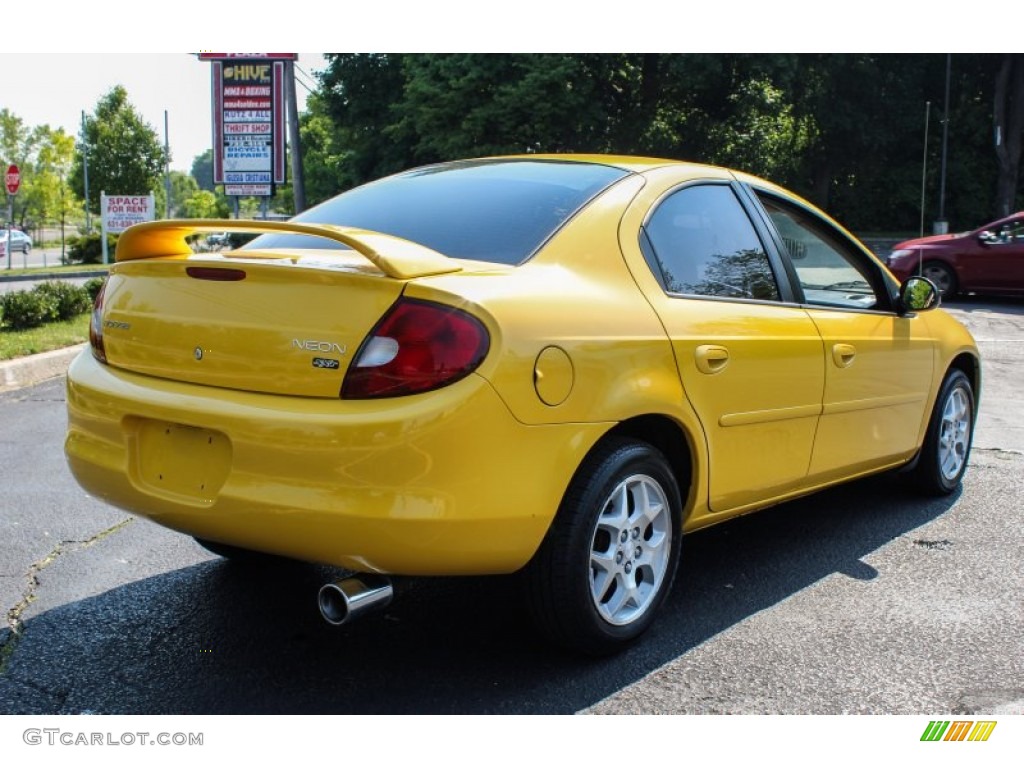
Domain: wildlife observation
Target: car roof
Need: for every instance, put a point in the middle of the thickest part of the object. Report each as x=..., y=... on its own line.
x=625, y=162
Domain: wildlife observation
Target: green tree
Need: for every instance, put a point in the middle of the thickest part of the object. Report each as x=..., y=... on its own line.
x=844, y=130
x=203, y=204
x=16, y=139
x=44, y=156
x=18, y=144
x=202, y=170
x=323, y=152
x=183, y=186
x=47, y=194
x=125, y=155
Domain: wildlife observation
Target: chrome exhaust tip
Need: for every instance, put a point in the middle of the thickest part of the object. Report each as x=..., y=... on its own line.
x=343, y=601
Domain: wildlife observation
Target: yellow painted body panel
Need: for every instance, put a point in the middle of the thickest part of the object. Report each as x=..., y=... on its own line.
x=442, y=483
x=246, y=446
x=759, y=404
x=877, y=381
x=778, y=417
x=251, y=334
x=394, y=256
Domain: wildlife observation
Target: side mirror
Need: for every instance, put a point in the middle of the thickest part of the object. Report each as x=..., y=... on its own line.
x=918, y=294
x=987, y=237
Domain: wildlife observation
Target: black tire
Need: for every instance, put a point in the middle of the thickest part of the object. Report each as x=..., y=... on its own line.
x=574, y=601
x=947, y=443
x=943, y=276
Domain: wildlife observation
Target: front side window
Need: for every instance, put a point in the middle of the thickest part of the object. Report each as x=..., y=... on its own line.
x=704, y=244
x=1010, y=232
x=831, y=273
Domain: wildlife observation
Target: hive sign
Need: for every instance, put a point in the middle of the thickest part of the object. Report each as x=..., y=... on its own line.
x=248, y=121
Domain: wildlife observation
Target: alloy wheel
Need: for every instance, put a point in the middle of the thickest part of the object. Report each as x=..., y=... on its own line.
x=954, y=433
x=630, y=550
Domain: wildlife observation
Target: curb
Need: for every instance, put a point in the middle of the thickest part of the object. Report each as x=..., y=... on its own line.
x=41, y=276
x=26, y=371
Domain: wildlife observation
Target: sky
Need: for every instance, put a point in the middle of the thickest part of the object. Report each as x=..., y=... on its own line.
x=54, y=89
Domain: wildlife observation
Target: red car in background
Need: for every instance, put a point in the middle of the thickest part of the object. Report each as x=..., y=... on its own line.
x=986, y=260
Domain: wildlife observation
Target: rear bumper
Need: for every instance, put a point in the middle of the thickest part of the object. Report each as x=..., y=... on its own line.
x=441, y=484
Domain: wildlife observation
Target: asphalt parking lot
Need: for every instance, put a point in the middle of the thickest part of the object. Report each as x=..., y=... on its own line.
x=864, y=599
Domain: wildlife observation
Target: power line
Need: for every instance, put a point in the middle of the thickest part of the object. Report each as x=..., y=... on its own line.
x=300, y=81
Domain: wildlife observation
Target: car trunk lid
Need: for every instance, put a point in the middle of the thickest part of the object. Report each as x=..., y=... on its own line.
x=275, y=322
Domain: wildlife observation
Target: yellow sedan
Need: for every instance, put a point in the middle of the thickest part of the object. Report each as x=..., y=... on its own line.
x=549, y=364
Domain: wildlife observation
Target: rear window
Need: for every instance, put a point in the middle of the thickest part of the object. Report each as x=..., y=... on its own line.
x=500, y=211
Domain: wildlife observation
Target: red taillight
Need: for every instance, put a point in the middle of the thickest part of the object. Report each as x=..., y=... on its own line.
x=418, y=346
x=96, y=326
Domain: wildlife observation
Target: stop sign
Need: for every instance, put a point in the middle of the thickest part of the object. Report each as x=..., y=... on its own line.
x=13, y=179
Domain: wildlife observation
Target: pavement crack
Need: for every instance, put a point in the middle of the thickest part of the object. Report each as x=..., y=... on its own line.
x=14, y=621
x=1000, y=451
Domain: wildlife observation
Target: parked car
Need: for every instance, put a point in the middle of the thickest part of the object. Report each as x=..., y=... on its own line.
x=552, y=365
x=989, y=259
x=19, y=241
x=218, y=240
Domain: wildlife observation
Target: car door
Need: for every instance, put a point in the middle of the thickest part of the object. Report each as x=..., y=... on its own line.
x=996, y=263
x=878, y=365
x=751, y=362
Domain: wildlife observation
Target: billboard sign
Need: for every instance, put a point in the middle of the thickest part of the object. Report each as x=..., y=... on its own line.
x=121, y=211
x=248, y=122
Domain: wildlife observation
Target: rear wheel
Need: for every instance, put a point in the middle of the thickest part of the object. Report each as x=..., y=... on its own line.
x=943, y=277
x=947, y=444
x=610, y=556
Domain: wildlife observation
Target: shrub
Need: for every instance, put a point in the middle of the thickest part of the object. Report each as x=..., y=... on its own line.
x=27, y=309
x=69, y=299
x=92, y=287
x=88, y=249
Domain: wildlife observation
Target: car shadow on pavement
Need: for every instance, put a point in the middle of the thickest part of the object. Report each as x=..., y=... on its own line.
x=217, y=637
x=1004, y=305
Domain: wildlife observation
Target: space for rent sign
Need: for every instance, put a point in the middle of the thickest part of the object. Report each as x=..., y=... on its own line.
x=248, y=122
x=121, y=211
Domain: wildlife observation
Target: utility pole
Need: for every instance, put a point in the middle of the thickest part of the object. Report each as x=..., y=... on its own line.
x=167, y=169
x=298, y=180
x=924, y=161
x=85, y=173
x=941, y=224
x=63, y=255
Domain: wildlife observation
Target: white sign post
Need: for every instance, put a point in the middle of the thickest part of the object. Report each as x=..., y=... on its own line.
x=12, y=181
x=118, y=212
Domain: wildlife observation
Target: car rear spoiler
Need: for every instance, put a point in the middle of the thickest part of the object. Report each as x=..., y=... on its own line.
x=394, y=256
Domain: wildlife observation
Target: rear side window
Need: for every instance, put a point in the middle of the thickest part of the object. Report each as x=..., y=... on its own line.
x=704, y=244
x=500, y=211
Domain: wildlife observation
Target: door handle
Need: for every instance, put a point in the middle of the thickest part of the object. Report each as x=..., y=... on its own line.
x=711, y=358
x=843, y=354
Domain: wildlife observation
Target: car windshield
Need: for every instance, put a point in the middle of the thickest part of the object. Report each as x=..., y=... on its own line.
x=499, y=211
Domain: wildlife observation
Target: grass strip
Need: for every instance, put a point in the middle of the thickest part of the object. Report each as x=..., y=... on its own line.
x=44, y=338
